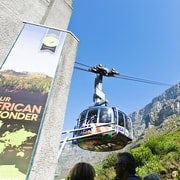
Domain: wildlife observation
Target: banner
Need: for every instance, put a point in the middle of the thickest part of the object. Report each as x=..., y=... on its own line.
x=25, y=81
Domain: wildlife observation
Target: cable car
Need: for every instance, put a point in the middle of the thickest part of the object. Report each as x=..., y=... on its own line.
x=103, y=128
x=100, y=127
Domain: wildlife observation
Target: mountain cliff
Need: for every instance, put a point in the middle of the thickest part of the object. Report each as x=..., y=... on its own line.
x=161, y=108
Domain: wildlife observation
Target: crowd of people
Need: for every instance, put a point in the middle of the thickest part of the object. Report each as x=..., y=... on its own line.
x=125, y=169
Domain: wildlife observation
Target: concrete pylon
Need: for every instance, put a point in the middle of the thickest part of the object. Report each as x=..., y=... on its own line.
x=55, y=14
x=45, y=159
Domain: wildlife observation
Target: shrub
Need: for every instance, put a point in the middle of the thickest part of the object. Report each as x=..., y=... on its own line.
x=161, y=145
x=148, y=167
x=142, y=154
x=110, y=161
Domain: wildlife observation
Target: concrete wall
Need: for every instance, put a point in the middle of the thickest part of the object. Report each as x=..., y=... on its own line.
x=56, y=14
x=46, y=157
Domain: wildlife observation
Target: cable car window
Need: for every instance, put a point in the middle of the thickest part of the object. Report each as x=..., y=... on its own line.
x=92, y=116
x=115, y=115
x=82, y=119
x=120, y=119
x=105, y=115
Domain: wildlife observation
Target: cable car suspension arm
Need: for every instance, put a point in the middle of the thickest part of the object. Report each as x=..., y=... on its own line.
x=112, y=73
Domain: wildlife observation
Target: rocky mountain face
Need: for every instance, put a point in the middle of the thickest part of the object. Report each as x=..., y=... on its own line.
x=73, y=154
x=163, y=107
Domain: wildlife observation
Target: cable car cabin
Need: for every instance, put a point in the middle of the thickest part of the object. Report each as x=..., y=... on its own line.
x=103, y=128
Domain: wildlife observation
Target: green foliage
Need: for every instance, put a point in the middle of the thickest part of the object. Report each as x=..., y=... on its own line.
x=159, y=154
x=148, y=167
x=99, y=168
x=109, y=161
x=162, y=145
x=106, y=168
x=170, y=157
x=142, y=154
x=164, y=151
x=41, y=83
x=146, y=161
x=105, y=171
x=106, y=174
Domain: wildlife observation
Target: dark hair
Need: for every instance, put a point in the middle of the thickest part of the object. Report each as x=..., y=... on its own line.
x=129, y=160
x=82, y=170
x=152, y=176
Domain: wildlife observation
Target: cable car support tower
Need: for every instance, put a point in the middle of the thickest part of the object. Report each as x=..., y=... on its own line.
x=99, y=98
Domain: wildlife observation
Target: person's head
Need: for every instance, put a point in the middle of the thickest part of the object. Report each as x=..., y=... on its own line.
x=152, y=176
x=82, y=170
x=125, y=165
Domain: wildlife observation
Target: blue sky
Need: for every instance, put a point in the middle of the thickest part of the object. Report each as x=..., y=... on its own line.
x=139, y=38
